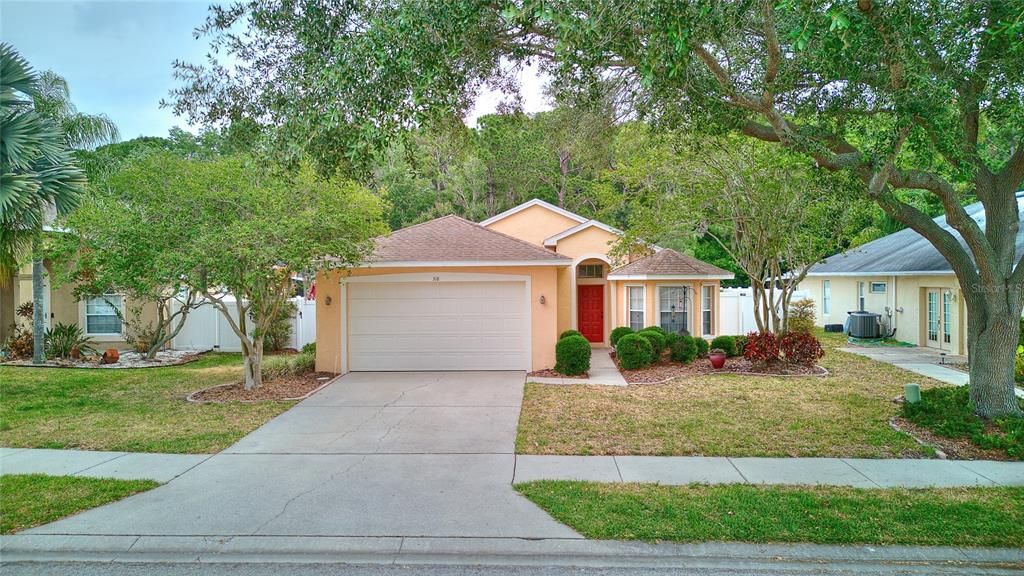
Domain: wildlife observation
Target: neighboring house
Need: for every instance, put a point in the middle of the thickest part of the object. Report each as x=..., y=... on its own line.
x=450, y=294
x=903, y=278
x=97, y=315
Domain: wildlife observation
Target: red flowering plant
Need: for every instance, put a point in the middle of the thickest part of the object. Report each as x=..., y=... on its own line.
x=800, y=348
x=761, y=348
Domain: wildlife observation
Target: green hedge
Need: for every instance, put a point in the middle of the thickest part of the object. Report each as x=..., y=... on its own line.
x=569, y=333
x=619, y=333
x=634, y=351
x=702, y=346
x=572, y=355
x=657, y=329
x=726, y=344
x=657, y=340
x=683, y=349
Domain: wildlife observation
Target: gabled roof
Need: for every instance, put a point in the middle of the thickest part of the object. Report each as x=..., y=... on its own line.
x=531, y=203
x=669, y=265
x=455, y=241
x=553, y=240
x=905, y=253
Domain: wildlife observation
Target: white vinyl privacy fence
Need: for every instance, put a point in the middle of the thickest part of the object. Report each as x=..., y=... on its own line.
x=206, y=328
x=737, y=310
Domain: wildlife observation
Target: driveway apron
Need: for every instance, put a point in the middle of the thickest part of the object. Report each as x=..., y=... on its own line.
x=372, y=454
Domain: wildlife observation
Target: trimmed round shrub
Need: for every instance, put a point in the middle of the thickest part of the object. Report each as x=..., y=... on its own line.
x=657, y=329
x=657, y=340
x=572, y=355
x=683, y=349
x=619, y=333
x=726, y=344
x=702, y=346
x=309, y=348
x=569, y=333
x=634, y=351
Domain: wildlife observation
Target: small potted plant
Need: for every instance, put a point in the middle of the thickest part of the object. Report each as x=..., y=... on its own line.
x=717, y=357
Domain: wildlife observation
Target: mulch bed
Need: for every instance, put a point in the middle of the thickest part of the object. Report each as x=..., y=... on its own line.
x=290, y=388
x=549, y=373
x=954, y=448
x=665, y=369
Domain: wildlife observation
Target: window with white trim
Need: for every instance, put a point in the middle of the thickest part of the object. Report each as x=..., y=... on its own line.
x=103, y=314
x=826, y=297
x=707, y=300
x=878, y=287
x=860, y=296
x=636, y=307
x=674, y=306
x=590, y=271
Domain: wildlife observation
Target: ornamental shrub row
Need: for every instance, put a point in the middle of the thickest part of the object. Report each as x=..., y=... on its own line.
x=792, y=347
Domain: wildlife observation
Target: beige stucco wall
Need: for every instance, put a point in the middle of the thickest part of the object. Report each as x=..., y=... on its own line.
x=544, y=317
x=651, y=316
x=533, y=224
x=906, y=292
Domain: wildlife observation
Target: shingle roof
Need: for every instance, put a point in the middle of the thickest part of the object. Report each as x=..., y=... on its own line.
x=905, y=251
x=455, y=239
x=668, y=262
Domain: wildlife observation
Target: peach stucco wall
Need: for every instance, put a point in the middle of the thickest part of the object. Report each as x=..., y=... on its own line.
x=621, y=314
x=544, y=317
x=591, y=240
x=533, y=224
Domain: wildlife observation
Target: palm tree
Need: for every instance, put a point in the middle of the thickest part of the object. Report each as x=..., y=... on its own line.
x=38, y=178
x=80, y=130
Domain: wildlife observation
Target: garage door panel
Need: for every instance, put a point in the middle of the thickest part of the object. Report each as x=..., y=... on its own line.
x=438, y=326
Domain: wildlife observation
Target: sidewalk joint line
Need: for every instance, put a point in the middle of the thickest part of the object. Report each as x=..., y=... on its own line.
x=962, y=465
x=858, y=471
x=86, y=469
x=737, y=469
x=617, y=471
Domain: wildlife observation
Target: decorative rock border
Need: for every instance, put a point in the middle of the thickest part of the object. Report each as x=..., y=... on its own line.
x=188, y=358
x=194, y=400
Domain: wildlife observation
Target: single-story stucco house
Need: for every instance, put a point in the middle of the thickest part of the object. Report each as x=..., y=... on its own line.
x=904, y=278
x=450, y=294
x=100, y=316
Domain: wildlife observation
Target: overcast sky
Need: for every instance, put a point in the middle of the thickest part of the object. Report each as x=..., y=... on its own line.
x=117, y=55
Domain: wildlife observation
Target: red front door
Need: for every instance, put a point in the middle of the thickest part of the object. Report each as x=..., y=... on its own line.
x=590, y=312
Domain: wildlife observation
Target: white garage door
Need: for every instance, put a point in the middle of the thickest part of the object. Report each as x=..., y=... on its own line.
x=437, y=326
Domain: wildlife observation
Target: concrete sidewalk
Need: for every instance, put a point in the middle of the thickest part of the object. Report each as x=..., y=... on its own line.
x=861, y=473
x=125, y=465
x=602, y=371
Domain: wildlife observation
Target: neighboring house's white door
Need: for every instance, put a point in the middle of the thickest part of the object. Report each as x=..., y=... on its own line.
x=438, y=326
x=937, y=319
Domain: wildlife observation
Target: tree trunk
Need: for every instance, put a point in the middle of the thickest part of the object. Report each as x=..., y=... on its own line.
x=38, y=313
x=992, y=339
x=253, y=363
x=563, y=176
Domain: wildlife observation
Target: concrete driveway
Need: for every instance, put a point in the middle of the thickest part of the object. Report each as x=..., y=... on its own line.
x=372, y=454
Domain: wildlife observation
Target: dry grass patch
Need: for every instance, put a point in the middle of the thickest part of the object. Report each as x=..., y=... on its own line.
x=843, y=415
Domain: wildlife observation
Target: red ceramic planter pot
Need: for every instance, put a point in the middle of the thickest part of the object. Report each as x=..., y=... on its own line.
x=717, y=360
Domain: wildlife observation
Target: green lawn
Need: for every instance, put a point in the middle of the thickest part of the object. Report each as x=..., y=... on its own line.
x=844, y=415
x=821, y=515
x=33, y=499
x=134, y=410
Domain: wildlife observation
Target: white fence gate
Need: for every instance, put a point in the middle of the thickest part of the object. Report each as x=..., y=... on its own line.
x=207, y=328
x=737, y=309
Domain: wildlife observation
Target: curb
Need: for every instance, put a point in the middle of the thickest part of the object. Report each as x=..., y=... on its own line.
x=478, y=551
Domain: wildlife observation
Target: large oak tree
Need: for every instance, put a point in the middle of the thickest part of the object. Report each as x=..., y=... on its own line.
x=905, y=94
